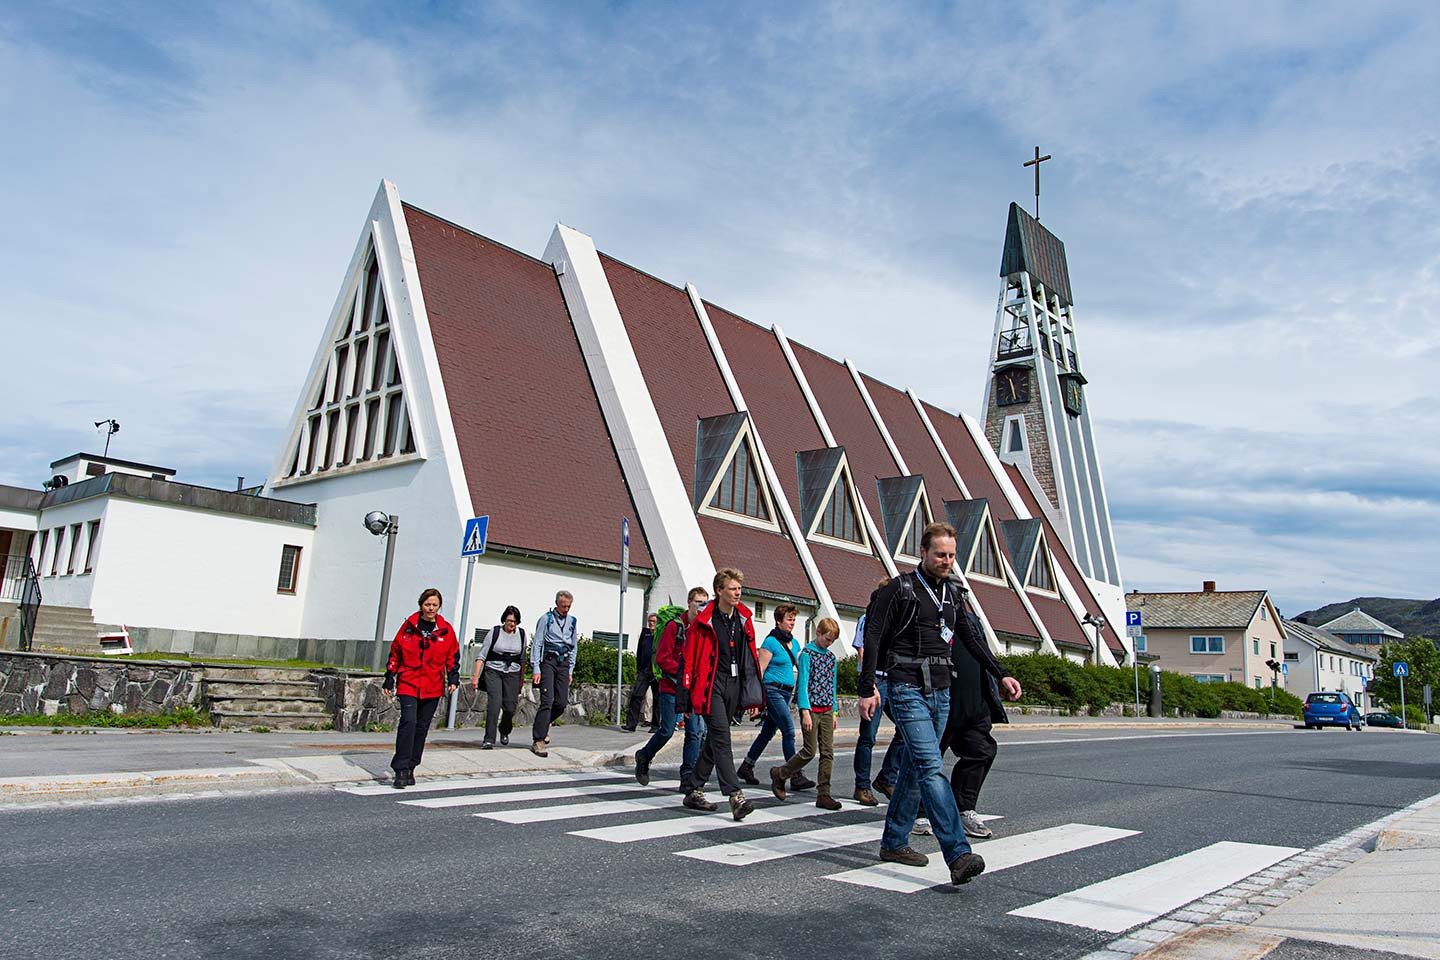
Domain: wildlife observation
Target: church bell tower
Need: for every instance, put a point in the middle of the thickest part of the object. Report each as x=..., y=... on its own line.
x=1036, y=415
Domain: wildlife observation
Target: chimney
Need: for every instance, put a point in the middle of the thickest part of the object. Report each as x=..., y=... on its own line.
x=1208, y=586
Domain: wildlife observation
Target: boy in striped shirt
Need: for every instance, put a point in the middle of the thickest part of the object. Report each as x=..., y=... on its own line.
x=815, y=694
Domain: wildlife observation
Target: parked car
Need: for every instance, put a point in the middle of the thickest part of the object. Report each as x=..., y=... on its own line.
x=1327, y=708
x=1383, y=720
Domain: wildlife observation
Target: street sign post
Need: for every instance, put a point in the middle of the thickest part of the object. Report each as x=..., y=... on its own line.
x=620, y=630
x=1402, y=670
x=472, y=545
x=1284, y=669
x=1135, y=627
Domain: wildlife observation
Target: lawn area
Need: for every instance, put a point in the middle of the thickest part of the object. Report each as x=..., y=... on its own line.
x=180, y=717
x=228, y=661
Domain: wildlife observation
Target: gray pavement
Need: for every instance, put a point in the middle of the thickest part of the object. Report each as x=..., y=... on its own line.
x=327, y=873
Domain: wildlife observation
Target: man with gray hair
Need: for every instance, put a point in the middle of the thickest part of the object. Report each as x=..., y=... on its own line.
x=552, y=665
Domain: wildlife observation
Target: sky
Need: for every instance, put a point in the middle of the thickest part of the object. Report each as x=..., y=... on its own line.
x=1248, y=194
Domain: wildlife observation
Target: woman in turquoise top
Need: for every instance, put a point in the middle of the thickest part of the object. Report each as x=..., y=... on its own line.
x=778, y=660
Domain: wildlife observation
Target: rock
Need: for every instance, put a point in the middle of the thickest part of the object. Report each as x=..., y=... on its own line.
x=75, y=703
x=85, y=682
x=9, y=704
x=139, y=674
x=58, y=684
x=30, y=700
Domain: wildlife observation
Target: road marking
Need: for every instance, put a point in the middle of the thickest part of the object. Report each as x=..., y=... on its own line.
x=747, y=852
x=1117, y=904
x=1001, y=854
x=479, y=783
x=525, y=796
x=1144, y=736
x=575, y=811
x=704, y=823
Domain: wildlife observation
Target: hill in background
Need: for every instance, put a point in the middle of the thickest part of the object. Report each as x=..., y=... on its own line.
x=1414, y=618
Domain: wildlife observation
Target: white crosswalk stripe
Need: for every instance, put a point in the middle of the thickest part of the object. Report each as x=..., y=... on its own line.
x=474, y=783
x=525, y=796
x=704, y=823
x=1001, y=854
x=576, y=811
x=747, y=852
x=1122, y=902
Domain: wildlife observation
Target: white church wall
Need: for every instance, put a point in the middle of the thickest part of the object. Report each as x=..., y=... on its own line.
x=12, y=519
x=64, y=589
x=161, y=565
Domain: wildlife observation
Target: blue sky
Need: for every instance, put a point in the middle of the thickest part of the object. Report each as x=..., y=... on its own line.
x=1248, y=194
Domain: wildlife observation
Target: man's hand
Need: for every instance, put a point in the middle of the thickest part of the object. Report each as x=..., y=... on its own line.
x=805, y=722
x=868, y=706
x=452, y=688
x=753, y=712
x=835, y=721
x=389, y=694
x=536, y=679
x=1011, y=686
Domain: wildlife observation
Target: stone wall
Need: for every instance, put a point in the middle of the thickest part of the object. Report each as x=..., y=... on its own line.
x=51, y=684
x=356, y=701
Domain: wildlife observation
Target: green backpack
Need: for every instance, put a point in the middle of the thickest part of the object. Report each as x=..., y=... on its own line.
x=663, y=617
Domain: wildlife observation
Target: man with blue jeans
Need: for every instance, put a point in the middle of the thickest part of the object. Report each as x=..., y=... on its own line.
x=667, y=656
x=779, y=655
x=911, y=624
x=870, y=729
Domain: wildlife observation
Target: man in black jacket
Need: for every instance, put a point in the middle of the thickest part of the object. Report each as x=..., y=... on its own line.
x=911, y=626
x=644, y=678
x=974, y=705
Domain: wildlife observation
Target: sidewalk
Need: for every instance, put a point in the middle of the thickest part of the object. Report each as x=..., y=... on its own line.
x=87, y=763
x=1368, y=896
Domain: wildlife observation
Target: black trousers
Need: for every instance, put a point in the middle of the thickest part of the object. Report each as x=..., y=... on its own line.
x=974, y=750
x=715, y=752
x=502, y=696
x=415, y=717
x=644, y=680
x=554, y=694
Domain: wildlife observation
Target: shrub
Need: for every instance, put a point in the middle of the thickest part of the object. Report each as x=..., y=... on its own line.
x=1415, y=717
x=847, y=677
x=595, y=663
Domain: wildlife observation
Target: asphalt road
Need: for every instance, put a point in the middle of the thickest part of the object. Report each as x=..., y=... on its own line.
x=320, y=874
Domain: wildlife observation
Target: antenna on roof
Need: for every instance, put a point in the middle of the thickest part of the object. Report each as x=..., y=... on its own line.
x=112, y=427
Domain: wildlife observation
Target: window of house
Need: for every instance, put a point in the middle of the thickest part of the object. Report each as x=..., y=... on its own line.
x=1209, y=677
x=759, y=610
x=910, y=546
x=739, y=490
x=1041, y=576
x=40, y=544
x=1258, y=684
x=289, y=568
x=74, y=557
x=1256, y=645
x=1292, y=657
x=94, y=469
x=986, y=560
x=1264, y=615
x=838, y=520
x=90, y=545
x=1272, y=651
x=57, y=551
x=1207, y=644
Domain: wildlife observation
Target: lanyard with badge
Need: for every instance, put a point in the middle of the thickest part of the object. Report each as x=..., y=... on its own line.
x=946, y=633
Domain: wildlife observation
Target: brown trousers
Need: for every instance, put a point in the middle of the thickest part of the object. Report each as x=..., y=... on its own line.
x=819, y=739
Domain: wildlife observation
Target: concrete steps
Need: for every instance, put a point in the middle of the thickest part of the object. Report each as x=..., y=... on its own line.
x=271, y=697
x=67, y=630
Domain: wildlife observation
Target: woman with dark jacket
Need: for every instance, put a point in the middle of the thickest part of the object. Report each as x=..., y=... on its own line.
x=424, y=665
x=498, y=665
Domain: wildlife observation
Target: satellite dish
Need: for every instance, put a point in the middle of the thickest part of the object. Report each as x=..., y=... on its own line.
x=377, y=522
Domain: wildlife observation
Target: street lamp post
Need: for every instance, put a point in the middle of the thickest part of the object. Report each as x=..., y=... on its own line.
x=380, y=523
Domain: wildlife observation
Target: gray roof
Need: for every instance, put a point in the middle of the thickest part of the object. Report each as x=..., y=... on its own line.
x=1326, y=640
x=713, y=437
x=1358, y=621
x=897, y=497
x=1021, y=538
x=1215, y=609
x=1037, y=251
x=181, y=494
x=19, y=498
x=967, y=517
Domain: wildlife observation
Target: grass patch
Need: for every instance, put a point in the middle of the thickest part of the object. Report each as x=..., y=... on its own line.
x=179, y=717
x=228, y=661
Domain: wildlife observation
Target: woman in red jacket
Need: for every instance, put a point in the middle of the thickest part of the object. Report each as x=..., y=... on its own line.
x=424, y=665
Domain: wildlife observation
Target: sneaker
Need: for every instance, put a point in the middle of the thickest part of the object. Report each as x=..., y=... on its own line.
x=747, y=774
x=740, y=808
x=628, y=729
x=488, y=745
x=547, y=741
x=642, y=769
x=538, y=748
x=909, y=856
x=966, y=867
x=695, y=800
x=827, y=802
x=922, y=828
x=865, y=798
x=885, y=788
x=777, y=783
x=801, y=782
x=974, y=826
x=504, y=739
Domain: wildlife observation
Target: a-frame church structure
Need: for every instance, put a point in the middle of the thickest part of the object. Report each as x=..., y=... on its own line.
x=457, y=376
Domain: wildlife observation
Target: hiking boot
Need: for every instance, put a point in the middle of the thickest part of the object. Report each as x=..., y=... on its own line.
x=886, y=788
x=504, y=739
x=740, y=808
x=747, y=774
x=695, y=800
x=538, y=748
x=777, y=783
x=488, y=745
x=909, y=856
x=974, y=826
x=628, y=729
x=400, y=782
x=801, y=782
x=827, y=802
x=642, y=769
x=966, y=867
x=865, y=798
x=921, y=828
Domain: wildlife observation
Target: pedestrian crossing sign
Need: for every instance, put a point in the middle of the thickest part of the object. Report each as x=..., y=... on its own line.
x=472, y=544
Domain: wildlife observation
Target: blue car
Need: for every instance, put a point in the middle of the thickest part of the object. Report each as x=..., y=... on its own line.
x=1330, y=709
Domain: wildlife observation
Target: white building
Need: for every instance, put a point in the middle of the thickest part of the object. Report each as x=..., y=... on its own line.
x=1319, y=660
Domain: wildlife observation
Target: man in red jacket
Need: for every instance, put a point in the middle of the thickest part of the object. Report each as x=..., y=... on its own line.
x=668, y=656
x=721, y=677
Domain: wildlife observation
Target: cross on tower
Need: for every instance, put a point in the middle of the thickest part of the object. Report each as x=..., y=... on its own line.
x=1036, y=164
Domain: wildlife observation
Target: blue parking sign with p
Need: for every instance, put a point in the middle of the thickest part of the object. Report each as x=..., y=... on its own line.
x=1133, y=618
x=472, y=544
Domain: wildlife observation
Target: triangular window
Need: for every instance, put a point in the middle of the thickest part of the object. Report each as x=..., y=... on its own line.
x=1042, y=576
x=357, y=411
x=840, y=520
x=915, y=531
x=739, y=490
x=985, y=561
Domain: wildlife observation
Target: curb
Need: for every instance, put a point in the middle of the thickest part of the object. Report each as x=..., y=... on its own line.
x=23, y=791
